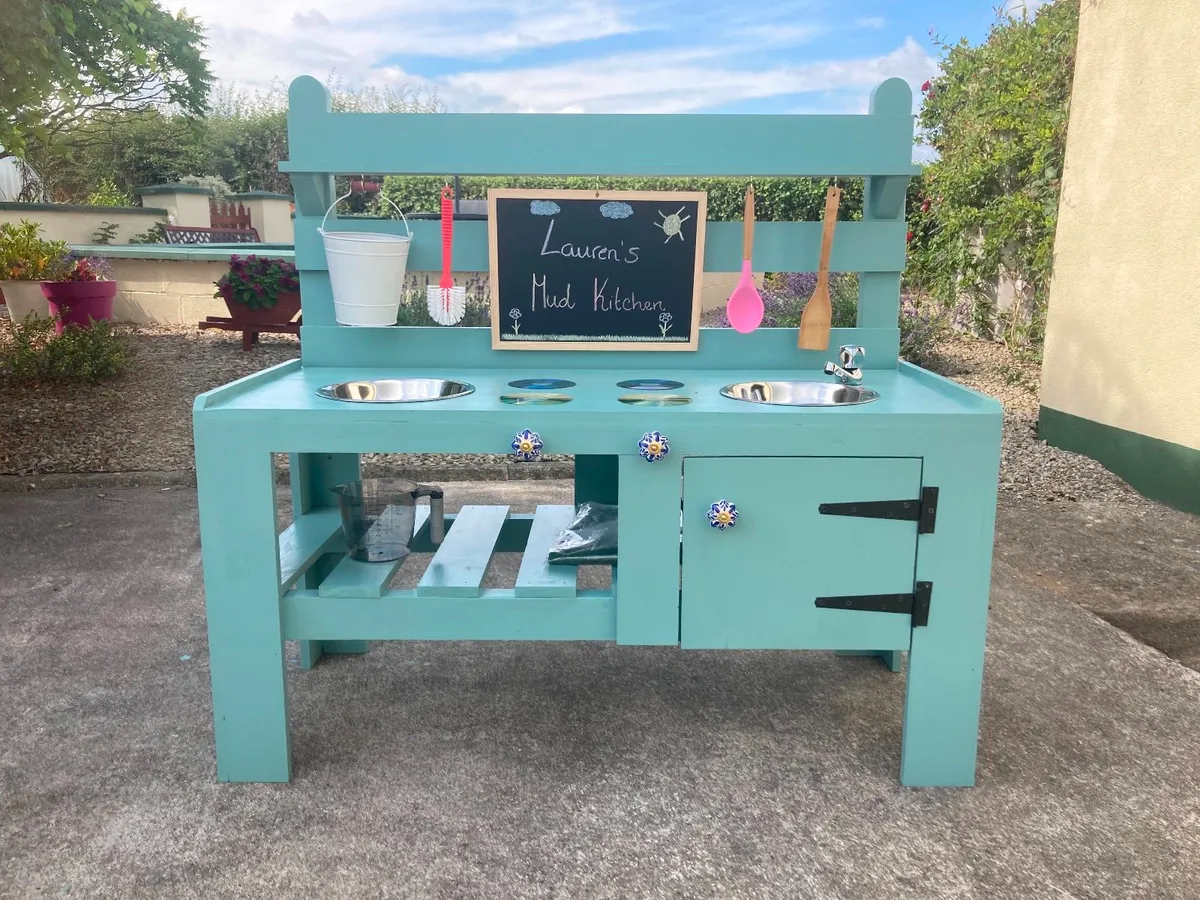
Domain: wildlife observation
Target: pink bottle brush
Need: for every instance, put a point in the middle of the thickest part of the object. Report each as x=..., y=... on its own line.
x=447, y=303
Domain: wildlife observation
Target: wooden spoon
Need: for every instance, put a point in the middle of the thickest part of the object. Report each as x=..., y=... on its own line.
x=745, y=307
x=818, y=313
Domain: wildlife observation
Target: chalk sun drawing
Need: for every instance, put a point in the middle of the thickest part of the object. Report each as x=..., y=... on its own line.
x=615, y=210
x=544, y=208
x=672, y=224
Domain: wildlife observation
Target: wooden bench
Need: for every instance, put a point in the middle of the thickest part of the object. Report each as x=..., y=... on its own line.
x=195, y=234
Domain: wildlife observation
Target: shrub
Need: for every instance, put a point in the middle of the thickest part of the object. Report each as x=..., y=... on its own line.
x=785, y=294
x=215, y=183
x=34, y=353
x=997, y=117
x=775, y=199
x=106, y=193
x=105, y=232
x=152, y=235
x=24, y=256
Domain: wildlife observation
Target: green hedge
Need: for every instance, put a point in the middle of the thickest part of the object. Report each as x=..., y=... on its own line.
x=776, y=199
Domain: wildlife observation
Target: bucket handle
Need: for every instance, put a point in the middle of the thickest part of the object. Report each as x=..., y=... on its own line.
x=347, y=194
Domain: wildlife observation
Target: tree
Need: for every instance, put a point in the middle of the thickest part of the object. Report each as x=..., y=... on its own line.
x=997, y=117
x=78, y=58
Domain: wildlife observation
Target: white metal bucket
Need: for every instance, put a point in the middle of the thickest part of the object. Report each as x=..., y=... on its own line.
x=366, y=271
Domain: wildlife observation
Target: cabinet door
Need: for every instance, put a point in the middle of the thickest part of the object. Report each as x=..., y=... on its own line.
x=755, y=585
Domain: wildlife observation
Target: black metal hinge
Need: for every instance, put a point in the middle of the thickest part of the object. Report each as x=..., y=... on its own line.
x=923, y=511
x=915, y=604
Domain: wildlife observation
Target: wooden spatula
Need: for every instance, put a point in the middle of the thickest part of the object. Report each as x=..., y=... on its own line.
x=818, y=313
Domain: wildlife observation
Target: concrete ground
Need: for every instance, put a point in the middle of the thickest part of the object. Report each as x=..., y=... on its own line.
x=574, y=770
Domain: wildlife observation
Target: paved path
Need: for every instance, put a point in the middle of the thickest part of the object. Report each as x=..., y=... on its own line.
x=576, y=771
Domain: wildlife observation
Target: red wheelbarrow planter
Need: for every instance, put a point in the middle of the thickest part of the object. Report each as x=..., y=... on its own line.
x=261, y=294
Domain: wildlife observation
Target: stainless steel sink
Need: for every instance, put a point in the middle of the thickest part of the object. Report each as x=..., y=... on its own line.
x=396, y=390
x=799, y=393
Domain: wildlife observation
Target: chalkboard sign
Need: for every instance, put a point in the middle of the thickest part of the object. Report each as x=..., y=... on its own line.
x=596, y=270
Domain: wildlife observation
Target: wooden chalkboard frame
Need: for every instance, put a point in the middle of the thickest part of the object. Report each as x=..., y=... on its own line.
x=494, y=194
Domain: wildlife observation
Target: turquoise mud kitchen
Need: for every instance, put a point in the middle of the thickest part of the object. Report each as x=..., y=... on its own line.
x=767, y=497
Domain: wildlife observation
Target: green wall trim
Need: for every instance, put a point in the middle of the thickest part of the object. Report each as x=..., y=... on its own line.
x=173, y=189
x=186, y=252
x=81, y=207
x=1163, y=471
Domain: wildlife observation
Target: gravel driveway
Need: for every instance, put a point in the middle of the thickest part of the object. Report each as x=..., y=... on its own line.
x=142, y=422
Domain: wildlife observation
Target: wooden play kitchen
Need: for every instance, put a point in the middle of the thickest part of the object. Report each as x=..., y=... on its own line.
x=769, y=497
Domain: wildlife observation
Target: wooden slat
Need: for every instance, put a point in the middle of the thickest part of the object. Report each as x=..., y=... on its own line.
x=778, y=246
x=767, y=350
x=353, y=578
x=458, y=566
x=523, y=144
x=495, y=615
x=302, y=542
x=536, y=577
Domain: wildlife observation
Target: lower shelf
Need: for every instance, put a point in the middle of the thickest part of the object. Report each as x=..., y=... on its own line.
x=495, y=615
x=353, y=601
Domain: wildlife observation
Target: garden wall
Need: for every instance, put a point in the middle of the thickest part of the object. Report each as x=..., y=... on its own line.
x=78, y=224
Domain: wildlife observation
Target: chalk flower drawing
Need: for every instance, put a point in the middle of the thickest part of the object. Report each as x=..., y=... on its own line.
x=544, y=208
x=665, y=326
x=515, y=315
x=615, y=210
x=672, y=225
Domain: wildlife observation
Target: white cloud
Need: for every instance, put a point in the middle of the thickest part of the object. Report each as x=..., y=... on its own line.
x=253, y=42
x=875, y=22
x=674, y=81
x=708, y=57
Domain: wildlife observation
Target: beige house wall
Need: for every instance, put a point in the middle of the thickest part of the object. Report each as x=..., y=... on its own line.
x=76, y=225
x=1123, y=333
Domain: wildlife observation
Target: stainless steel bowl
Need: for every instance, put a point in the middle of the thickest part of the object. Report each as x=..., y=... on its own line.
x=799, y=393
x=396, y=390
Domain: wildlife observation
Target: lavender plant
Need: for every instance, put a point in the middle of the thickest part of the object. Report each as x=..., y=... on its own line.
x=414, y=310
x=785, y=294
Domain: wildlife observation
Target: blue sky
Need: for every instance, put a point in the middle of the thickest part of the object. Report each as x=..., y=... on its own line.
x=595, y=55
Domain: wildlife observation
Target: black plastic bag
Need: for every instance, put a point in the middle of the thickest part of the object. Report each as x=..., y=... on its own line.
x=590, y=538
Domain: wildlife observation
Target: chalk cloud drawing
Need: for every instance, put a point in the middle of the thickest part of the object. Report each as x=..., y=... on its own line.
x=672, y=224
x=616, y=210
x=544, y=208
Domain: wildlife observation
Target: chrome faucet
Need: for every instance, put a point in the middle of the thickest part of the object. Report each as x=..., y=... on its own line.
x=847, y=368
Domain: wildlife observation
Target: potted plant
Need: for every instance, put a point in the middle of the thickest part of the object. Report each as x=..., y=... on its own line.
x=26, y=259
x=260, y=289
x=80, y=290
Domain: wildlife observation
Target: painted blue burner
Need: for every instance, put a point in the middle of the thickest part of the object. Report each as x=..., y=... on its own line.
x=542, y=384
x=650, y=384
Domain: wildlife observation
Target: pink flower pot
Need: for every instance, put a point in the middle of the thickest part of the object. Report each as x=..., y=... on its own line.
x=80, y=303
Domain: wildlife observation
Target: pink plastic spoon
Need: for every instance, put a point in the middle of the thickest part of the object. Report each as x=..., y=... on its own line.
x=745, y=308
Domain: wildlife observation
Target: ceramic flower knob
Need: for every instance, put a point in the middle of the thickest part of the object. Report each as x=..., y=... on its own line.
x=722, y=515
x=527, y=445
x=653, y=446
